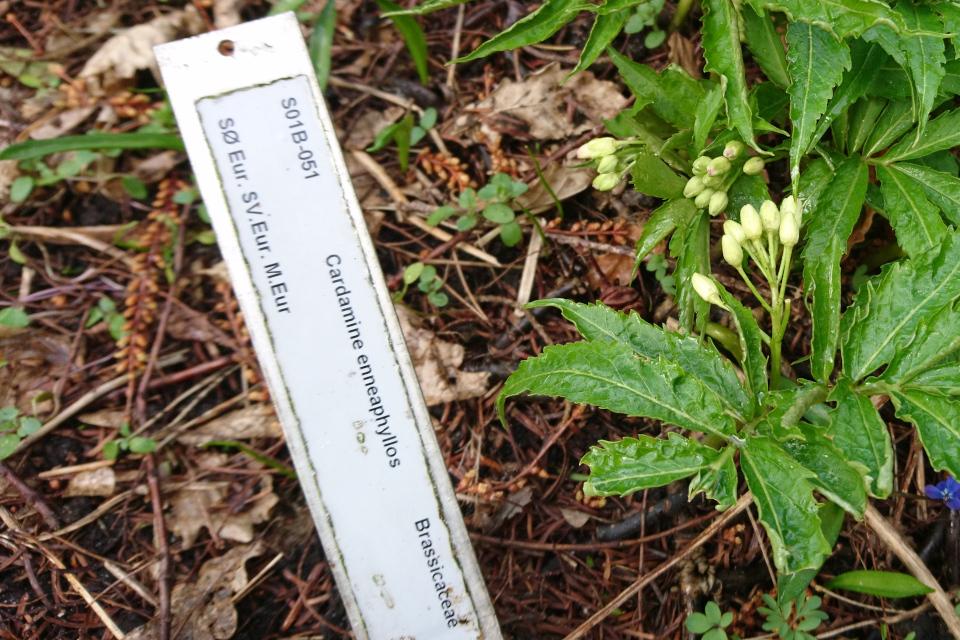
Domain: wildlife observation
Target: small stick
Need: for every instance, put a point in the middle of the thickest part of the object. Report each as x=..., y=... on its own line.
x=131, y=582
x=163, y=580
x=529, y=273
x=708, y=533
x=32, y=497
x=455, y=49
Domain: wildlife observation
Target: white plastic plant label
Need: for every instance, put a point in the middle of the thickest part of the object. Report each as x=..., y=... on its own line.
x=272, y=176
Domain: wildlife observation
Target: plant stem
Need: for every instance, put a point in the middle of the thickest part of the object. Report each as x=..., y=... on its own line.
x=776, y=336
x=754, y=289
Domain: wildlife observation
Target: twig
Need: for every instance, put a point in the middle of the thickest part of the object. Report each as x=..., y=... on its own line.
x=714, y=528
x=576, y=241
x=895, y=542
x=87, y=399
x=906, y=615
x=163, y=579
x=31, y=496
x=455, y=49
x=131, y=582
x=763, y=548
x=529, y=273
x=58, y=235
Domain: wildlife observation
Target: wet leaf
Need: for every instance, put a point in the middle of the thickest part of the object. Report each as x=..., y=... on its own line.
x=885, y=584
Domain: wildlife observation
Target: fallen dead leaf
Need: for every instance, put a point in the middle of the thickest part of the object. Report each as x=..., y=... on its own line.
x=574, y=517
x=124, y=54
x=200, y=505
x=157, y=167
x=8, y=173
x=62, y=123
x=512, y=505
x=98, y=482
x=189, y=325
x=617, y=268
x=370, y=124
x=859, y=233
x=682, y=52
x=438, y=364
x=540, y=102
x=256, y=421
x=110, y=418
x=203, y=610
x=566, y=182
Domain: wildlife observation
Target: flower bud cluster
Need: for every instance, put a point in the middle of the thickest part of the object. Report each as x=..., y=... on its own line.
x=610, y=167
x=712, y=177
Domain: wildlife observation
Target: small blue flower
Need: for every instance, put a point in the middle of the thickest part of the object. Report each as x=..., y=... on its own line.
x=947, y=491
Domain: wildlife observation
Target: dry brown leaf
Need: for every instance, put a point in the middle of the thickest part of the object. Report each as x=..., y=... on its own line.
x=35, y=361
x=62, y=123
x=201, y=505
x=226, y=13
x=256, y=421
x=8, y=173
x=859, y=233
x=438, y=364
x=574, y=517
x=157, y=167
x=370, y=124
x=124, y=54
x=566, y=182
x=189, y=325
x=110, y=418
x=98, y=482
x=540, y=102
x=359, y=66
x=203, y=610
x=682, y=52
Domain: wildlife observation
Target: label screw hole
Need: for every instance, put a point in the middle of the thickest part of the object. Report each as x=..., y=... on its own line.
x=225, y=48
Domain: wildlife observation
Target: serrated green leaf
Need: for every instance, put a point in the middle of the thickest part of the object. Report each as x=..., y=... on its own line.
x=861, y=434
x=600, y=322
x=865, y=65
x=816, y=61
x=706, y=115
x=672, y=94
x=844, y=18
x=606, y=27
x=942, y=132
x=935, y=338
x=813, y=182
x=941, y=188
x=943, y=379
x=320, y=46
x=766, y=46
x=412, y=35
x=830, y=226
x=937, y=419
x=613, y=377
x=662, y=223
x=768, y=101
x=896, y=120
x=498, y=213
x=888, y=307
x=722, y=51
x=915, y=219
x=863, y=116
x=785, y=503
x=536, y=27
x=886, y=584
x=746, y=190
x=924, y=54
x=690, y=247
x=949, y=13
x=621, y=468
x=833, y=477
x=791, y=586
x=652, y=176
x=718, y=481
x=754, y=363
x=943, y=161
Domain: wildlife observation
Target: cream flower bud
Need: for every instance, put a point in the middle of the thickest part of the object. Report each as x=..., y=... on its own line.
x=598, y=147
x=694, y=187
x=718, y=166
x=606, y=181
x=712, y=181
x=789, y=233
x=718, y=202
x=753, y=166
x=733, y=149
x=608, y=164
x=789, y=204
x=732, y=251
x=700, y=166
x=732, y=228
x=703, y=200
x=750, y=220
x=706, y=289
x=770, y=216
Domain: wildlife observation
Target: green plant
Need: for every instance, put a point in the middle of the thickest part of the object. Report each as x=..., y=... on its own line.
x=658, y=265
x=128, y=442
x=14, y=317
x=645, y=17
x=790, y=625
x=425, y=275
x=14, y=427
x=886, y=584
x=711, y=624
x=491, y=202
x=405, y=134
x=106, y=311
